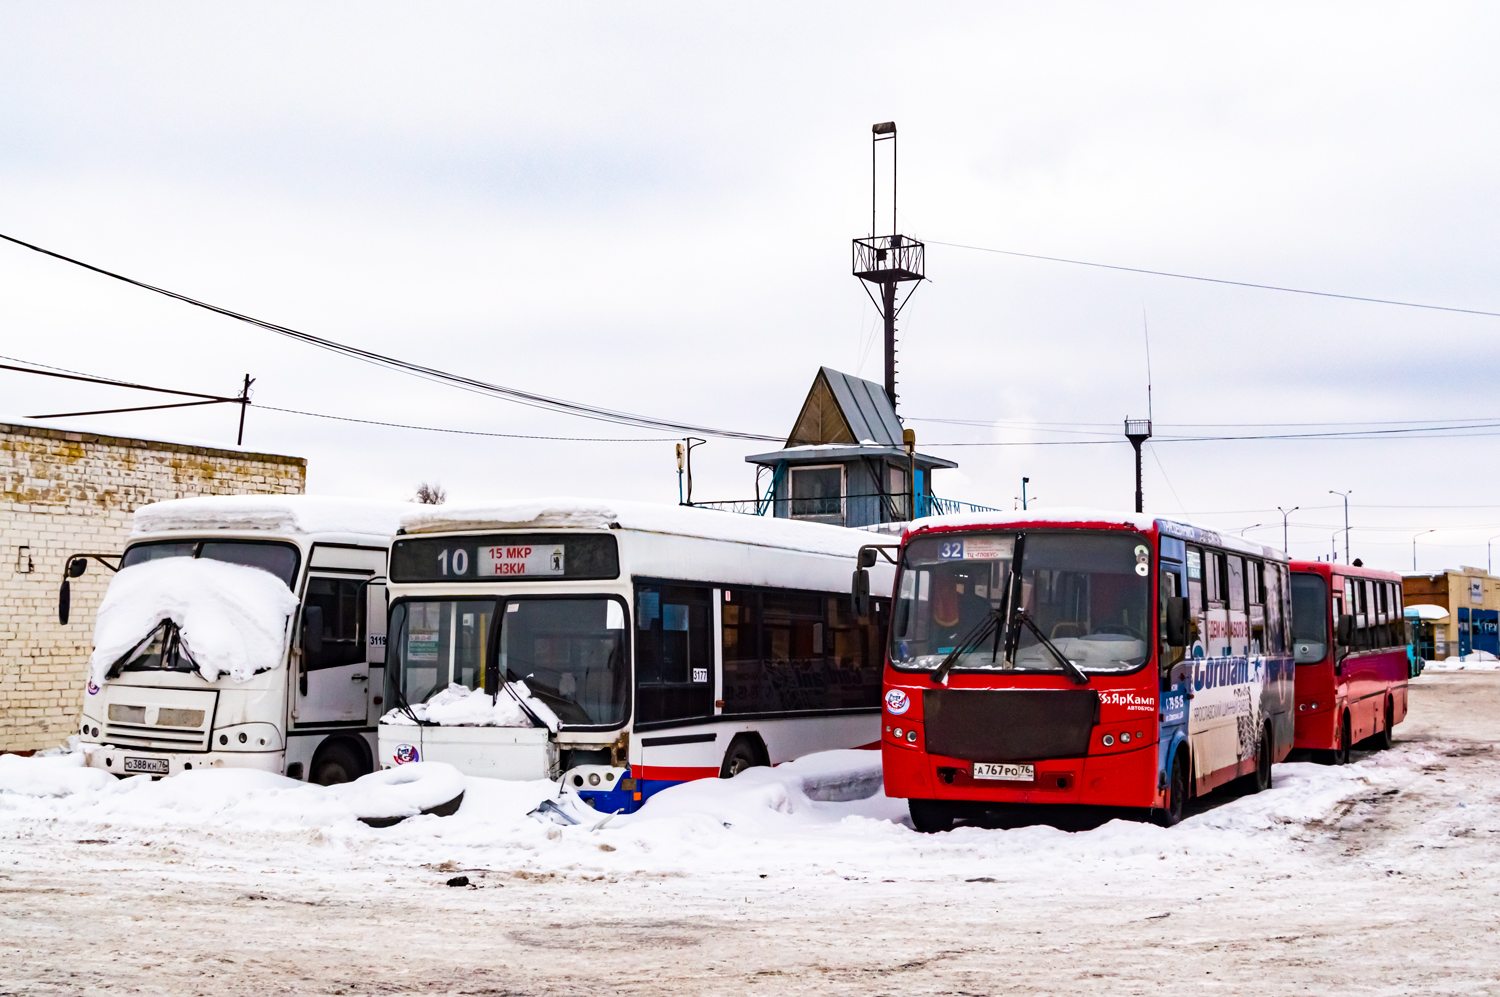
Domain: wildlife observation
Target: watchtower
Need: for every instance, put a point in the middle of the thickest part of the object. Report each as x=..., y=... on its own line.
x=887, y=261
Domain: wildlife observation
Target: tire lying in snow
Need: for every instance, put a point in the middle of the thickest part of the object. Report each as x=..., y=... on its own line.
x=389, y=796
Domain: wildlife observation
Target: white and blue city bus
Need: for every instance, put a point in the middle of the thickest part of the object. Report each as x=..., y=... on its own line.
x=648, y=645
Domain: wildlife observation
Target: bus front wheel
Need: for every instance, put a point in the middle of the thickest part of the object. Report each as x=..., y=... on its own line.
x=745, y=752
x=336, y=763
x=930, y=816
x=1386, y=736
x=1177, y=793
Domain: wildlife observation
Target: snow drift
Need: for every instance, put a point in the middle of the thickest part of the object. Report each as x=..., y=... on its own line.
x=281, y=514
x=234, y=619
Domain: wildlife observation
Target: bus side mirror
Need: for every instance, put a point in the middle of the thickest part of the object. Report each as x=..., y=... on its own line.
x=1346, y=629
x=859, y=590
x=64, y=602
x=1177, y=621
x=312, y=630
x=77, y=566
x=867, y=557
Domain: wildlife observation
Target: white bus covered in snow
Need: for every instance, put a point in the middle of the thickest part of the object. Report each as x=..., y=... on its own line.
x=243, y=632
x=624, y=647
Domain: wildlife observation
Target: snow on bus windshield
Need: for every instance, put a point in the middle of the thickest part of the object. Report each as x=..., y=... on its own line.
x=280, y=559
x=1088, y=592
x=570, y=652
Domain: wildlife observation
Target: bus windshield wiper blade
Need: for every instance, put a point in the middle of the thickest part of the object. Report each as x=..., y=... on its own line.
x=976, y=636
x=1024, y=618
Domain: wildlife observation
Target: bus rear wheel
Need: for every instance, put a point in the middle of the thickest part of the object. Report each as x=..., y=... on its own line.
x=930, y=816
x=1263, y=763
x=1386, y=735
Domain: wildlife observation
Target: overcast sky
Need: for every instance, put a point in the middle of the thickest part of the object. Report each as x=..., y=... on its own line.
x=649, y=208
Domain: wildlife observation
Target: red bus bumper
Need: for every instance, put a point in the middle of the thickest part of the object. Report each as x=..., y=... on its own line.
x=1116, y=779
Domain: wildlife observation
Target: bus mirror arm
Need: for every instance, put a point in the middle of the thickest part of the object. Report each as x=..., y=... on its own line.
x=859, y=592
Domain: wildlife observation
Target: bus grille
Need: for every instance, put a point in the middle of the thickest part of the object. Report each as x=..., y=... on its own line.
x=1009, y=725
x=166, y=738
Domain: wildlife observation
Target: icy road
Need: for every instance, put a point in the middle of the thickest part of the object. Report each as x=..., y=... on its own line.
x=1379, y=878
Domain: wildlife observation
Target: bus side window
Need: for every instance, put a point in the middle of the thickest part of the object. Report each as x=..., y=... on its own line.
x=1255, y=593
x=673, y=652
x=1195, y=563
x=1235, y=583
x=1274, y=591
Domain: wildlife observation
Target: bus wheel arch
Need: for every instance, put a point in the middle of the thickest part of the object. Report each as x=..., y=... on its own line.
x=746, y=750
x=338, y=760
x=1179, y=787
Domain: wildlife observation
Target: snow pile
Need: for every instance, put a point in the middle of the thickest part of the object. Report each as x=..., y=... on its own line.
x=284, y=515
x=400, y=792
x=459, y=706
x=595, y=514
x=234, y=619
x=1474, y=661
x=50, y=775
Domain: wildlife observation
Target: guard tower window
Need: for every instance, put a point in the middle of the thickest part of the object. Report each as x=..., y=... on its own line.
x=818, y=494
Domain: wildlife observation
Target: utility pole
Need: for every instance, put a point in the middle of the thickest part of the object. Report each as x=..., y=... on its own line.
x=244, y=401
x=1138, y=431
x=1489, y=556
x=1346, y=520
x=1284, y=514
x=685, y=462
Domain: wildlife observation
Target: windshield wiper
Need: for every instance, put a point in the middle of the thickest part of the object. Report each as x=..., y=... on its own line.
x=976, y=636
x=1024, y=619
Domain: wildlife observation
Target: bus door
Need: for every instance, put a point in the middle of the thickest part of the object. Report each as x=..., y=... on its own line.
x=333, y=676
x=1213, y=707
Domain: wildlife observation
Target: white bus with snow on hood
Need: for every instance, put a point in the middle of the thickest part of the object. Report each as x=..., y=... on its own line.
x=622, y=647
x=242, y=632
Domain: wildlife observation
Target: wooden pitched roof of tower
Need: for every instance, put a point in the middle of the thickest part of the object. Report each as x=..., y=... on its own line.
x=843, y=409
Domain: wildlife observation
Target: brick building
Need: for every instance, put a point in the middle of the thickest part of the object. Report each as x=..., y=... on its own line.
x=67, y=492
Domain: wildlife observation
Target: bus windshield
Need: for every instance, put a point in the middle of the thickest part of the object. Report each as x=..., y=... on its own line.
x=570, y=652
x=1309, y=617
x=1088, y=591
x=280, y=559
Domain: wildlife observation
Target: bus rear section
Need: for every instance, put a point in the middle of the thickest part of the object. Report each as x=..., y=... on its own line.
x=1350, y=643
x=1106, y=660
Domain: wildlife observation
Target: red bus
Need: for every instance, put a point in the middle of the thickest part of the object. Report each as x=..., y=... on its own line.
x=1349, y=641
x=1082, y=658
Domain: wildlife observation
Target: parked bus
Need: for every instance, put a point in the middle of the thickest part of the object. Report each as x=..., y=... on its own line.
x=1081, y=657
x=1350, y=642
x=310, y=709
x=623, y=647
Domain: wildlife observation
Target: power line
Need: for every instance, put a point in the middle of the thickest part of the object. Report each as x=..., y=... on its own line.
x=420, y=370
x=1219, y=280
x=468, y=432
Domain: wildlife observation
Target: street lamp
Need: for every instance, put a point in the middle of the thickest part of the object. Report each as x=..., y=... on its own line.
x=1414, y=546
x=1285, y=513
x=1346, y=520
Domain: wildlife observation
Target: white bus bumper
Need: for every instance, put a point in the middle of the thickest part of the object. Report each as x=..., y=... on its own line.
x=144, y=761
x=517, y=753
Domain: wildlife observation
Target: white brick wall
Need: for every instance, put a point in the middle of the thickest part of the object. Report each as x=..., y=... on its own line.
x=63, y=493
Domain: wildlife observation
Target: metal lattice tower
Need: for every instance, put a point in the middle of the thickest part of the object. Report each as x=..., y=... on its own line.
x=887, y=261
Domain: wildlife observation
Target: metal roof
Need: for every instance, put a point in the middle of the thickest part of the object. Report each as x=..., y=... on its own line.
x=865, y=406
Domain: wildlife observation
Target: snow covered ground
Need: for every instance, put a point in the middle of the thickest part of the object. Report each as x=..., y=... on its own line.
x=1381, y=877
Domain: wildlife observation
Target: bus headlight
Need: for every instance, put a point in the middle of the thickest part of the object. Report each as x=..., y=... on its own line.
x=1109, y=739
x=593, y=778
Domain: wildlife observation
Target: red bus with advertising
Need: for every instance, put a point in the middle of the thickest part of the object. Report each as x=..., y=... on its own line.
x=1349, y=641
x=1080, y=657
